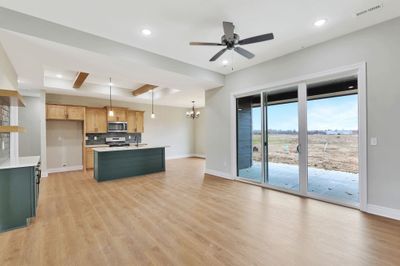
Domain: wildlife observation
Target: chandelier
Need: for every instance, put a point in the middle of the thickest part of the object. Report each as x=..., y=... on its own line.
x=193, y=113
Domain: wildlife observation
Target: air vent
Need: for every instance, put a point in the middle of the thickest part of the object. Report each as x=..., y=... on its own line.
x=371, y=9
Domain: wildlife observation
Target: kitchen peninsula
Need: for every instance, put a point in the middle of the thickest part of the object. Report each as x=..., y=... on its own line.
x=119, y=162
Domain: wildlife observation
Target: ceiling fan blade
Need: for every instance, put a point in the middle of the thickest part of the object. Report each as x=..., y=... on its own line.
x=259, y=38
x=206, y=43
x=244, y=52
x=217, y=55
x=228, y=30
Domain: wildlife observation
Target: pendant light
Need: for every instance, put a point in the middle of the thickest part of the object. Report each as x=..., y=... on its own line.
x=153, y=115
x=193, y=113
x=110, y=112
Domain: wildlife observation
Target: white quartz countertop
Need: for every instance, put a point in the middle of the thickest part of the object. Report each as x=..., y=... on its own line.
x=20, y=162
x=106, y=145
x=96, y=145
x=128, y=148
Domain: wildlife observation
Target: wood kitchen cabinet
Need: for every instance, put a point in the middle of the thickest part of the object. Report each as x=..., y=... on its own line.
x=65, y=112
x=89, y=158
x=76, y=113
x=135, y=121
x=120, y=114
x=96, y=120
x=139, y=121
x=57, y=112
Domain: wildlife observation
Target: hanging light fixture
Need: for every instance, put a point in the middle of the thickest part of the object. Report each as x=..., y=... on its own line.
x=110, y=112
x=153, y=115
x=193, y=113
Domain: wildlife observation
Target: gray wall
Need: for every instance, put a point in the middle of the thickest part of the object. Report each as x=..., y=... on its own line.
x=379, y=47
x=29, y=118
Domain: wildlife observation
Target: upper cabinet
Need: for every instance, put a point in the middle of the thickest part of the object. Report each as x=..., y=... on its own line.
x=56, y=112
x=75, y=113
x=139, y=121
x=135, y=121
x=96, y=120
x=63, y=112
x=120, y=114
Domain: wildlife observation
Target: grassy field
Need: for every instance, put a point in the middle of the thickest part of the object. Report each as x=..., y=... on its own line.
x=329, y=152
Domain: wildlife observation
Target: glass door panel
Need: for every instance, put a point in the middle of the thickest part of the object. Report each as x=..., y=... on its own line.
x=333, y=141
x=249, y=138
x=282, y=168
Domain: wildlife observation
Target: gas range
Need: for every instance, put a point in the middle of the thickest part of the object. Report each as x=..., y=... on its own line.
x=117, y=142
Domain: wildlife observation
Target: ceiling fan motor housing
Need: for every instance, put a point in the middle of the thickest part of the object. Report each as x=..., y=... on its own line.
x=230, y=43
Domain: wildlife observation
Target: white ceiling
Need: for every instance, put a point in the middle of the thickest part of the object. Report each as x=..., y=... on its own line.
x=175, y=23
x=38, y=62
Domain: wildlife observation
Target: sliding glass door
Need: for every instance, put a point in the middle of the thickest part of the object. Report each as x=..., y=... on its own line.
x=302, y=139
x=249, y=138
x=282, y=139
x=332, y=116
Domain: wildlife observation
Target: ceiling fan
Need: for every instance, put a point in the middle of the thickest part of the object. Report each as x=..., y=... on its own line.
x=230, y=39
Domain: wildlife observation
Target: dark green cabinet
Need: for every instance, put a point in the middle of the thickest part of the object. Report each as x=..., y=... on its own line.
x=18, y=196
x=126, y=163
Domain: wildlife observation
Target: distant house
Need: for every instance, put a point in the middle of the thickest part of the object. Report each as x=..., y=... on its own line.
x=339, y=132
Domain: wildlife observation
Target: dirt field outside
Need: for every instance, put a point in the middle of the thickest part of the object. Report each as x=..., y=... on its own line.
x=329, y=152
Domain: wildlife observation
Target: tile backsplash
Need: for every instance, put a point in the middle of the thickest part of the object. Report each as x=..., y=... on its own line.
x=101, y=138
x=4, y=137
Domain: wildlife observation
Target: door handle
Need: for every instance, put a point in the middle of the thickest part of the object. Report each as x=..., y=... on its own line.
x=298, y=148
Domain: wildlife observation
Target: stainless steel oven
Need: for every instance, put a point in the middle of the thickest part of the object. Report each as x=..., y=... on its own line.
x=117, y=127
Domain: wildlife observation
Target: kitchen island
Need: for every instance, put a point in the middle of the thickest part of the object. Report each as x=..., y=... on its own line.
x=119, y=162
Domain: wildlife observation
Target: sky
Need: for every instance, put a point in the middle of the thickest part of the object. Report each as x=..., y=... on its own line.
x=338, y=113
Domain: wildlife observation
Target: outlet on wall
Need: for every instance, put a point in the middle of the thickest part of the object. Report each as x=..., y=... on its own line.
x=95, y=138
x=64, y=164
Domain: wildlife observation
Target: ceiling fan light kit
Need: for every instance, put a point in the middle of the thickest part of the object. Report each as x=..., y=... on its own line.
x=231, y=40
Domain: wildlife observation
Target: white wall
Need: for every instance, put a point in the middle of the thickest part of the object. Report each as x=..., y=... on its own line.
x=200, y=134
x=8, y=81
x=379, y=46
x=8, y=76
x=64, y=144
x=170, y=127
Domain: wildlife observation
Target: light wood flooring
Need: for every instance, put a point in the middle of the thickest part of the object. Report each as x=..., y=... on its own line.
x=182, y=217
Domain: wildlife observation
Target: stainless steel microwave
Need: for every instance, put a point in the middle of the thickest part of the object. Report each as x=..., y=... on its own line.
x=117, y=127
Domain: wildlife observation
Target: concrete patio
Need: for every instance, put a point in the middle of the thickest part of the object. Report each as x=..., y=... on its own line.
x=331, y=184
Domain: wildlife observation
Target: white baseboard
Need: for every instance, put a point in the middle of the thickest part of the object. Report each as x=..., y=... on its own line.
x=219, y=174
x=65, y=169
x=184, y=156
x=199, y=156
x=384, y=211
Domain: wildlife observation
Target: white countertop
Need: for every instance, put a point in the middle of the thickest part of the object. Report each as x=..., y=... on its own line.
x=127, y=148
x=96, y=145
x=106, y=145
x=20, y=162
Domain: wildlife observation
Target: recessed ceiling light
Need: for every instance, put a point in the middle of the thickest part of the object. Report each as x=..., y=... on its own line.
x=59, y=76
x=225, y=62
x=320, y=22
x=146, y=32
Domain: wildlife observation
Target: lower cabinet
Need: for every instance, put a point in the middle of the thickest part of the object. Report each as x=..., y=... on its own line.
x=89, y=158
x=18, y=197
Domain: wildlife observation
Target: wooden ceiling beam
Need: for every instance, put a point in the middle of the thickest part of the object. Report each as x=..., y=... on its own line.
x=145, y=88
x=80, y=78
